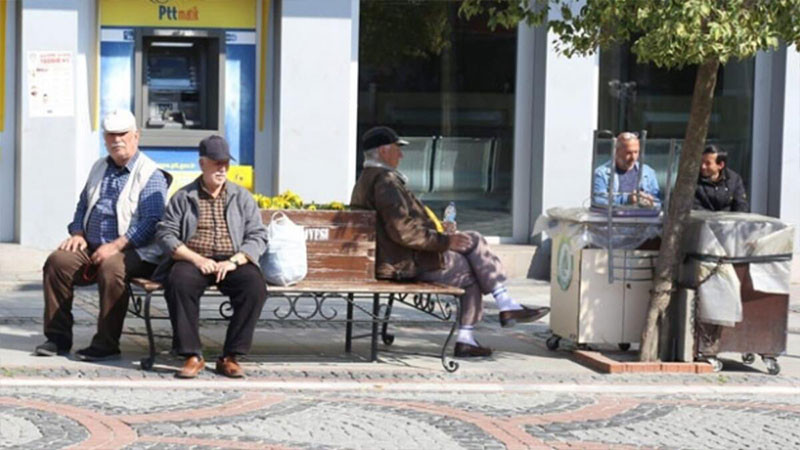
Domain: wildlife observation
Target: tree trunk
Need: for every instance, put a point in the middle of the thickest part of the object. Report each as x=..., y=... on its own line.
x=680, y=205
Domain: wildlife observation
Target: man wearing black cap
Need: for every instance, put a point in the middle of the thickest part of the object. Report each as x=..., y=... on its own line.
x=213, y=230
x=411, y=244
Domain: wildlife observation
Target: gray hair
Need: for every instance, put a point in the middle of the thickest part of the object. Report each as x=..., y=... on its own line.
x=372, y=154
x=626, y=136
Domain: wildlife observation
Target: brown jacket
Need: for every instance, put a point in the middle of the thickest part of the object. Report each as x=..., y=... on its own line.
x=407, y=240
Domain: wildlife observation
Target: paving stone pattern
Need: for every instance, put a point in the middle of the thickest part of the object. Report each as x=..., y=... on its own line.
x=142, y=418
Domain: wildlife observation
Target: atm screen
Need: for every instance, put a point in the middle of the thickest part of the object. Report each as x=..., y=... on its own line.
x=175, y=75
x=170, y=71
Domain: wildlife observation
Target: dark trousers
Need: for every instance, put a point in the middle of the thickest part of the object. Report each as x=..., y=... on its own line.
x=64, y=270
x=246, y=289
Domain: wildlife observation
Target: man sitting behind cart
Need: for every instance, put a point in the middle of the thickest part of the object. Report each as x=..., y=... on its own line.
x=626, y=189
x=718, y=187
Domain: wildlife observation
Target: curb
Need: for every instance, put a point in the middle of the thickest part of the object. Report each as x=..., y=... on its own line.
x=330, y=386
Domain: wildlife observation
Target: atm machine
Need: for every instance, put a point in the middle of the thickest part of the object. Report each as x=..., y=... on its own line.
x=176, y=78
x=184, y=76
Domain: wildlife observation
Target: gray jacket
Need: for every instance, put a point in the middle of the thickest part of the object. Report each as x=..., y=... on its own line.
x=179, y=224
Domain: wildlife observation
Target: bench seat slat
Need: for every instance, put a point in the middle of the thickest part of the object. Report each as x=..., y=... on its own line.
x=368, y=287
x=340, y=287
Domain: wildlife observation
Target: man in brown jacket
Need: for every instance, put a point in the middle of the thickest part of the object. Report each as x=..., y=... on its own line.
x=409, y=246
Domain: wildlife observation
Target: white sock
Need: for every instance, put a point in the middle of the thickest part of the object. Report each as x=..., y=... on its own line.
x=504, y=300
x=465, y=335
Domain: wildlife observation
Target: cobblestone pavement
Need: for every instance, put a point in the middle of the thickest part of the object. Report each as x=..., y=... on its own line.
x=188, y=416
x=303, y=392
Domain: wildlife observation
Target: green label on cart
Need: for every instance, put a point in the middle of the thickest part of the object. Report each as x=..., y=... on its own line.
x=565, y=265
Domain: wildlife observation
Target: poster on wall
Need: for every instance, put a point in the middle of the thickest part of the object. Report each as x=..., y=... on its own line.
x=51, y=90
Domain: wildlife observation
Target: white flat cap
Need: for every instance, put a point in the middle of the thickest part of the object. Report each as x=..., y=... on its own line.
x=119, y=121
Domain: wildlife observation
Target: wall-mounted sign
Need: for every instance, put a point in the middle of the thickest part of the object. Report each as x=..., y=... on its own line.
x=51, y=89
x=179, y=13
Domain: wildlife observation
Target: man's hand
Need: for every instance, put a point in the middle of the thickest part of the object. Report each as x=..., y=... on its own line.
x=206, y=266
x=460, y=242
x=74, y=243
x=642, y=199
x=449, y=227
x=223, y=268
x=104, y=252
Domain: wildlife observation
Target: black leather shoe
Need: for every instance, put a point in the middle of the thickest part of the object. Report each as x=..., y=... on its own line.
x=96, y=354
x=510, y=318
x=463, y=350
x=50, y=348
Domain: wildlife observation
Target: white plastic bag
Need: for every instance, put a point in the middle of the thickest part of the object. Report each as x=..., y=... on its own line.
x=284, y=263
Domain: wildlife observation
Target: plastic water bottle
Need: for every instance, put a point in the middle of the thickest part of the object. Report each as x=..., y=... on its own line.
x=450, y=212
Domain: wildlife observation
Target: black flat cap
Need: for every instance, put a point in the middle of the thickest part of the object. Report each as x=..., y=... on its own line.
x=216, y=148
x=378, y=136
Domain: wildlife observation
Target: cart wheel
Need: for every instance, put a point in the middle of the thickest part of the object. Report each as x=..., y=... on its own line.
x=388, y=339
x=146, y=363
x=748, y=358
x=716, y=365
x=552, y=342
x=624, y=346
x=773, y=368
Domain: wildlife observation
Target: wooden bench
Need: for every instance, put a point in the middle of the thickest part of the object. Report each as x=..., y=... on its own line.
x=341, y=266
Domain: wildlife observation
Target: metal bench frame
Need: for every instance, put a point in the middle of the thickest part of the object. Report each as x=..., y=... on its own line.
x=435, y=300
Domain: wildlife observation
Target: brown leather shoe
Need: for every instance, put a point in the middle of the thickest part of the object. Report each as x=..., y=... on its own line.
x=464, y=350
x=227, y=365
x=510, y=318
x=191, y=367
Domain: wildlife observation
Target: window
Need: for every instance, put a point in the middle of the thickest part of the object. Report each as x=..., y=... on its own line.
x=643, y=97
x=447, y=85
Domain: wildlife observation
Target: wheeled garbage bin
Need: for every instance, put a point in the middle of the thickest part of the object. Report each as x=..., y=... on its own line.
x=739, y=267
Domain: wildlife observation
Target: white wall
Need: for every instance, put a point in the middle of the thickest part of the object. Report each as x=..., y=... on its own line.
x=790, y=164
x=527, y=123
x=570, y=118
x=55, y=153
x=318, y=97
x=763, y=135
x=8, y=159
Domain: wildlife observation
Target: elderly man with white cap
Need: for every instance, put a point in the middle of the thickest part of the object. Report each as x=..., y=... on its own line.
x=111, y=240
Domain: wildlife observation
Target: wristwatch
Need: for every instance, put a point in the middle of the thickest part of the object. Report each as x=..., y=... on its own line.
x=234, y=261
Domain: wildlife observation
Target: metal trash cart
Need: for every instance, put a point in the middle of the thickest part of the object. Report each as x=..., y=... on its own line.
x=738, y=268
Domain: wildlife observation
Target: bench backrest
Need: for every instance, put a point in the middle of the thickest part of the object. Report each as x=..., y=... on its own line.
x=340, y=244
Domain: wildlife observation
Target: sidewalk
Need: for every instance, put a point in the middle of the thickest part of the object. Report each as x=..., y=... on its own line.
x=314, y=351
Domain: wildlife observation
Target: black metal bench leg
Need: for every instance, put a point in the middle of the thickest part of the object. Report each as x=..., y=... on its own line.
x=147, y=363
x=376, y=304
x=387, y=338
x=448, y=364
x=348, y=335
